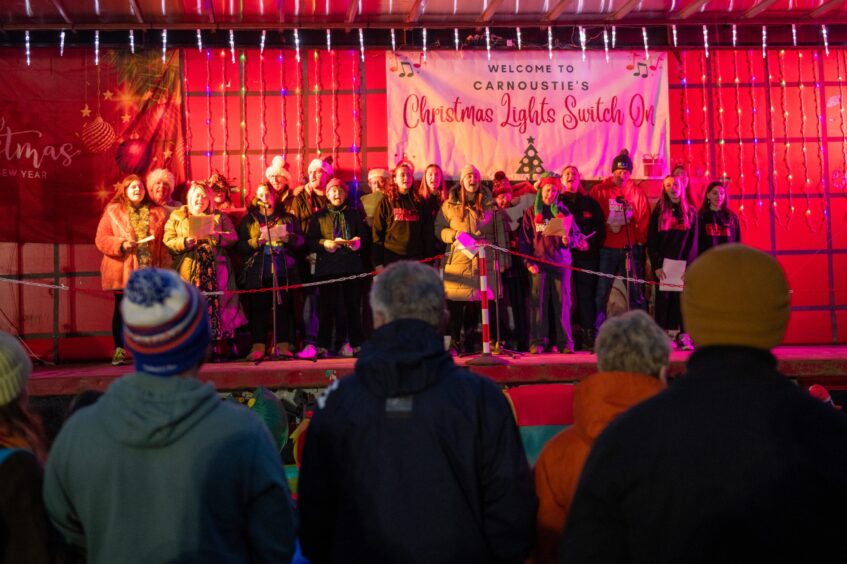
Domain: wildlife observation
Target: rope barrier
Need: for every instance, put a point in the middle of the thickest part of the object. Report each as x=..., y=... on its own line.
x=577, y=269
x=37, y=284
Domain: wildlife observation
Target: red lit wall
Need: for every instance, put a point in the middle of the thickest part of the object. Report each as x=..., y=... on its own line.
x=775, y=127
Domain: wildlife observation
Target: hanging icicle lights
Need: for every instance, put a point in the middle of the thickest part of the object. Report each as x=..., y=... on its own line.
x=262, y=42
x=97, y=48
x=673, y=32
x=550, y=41
x=131, y=42
x=199, y=41
x=164, y=46
x=28, y=61
x=456, y=38
x=518, y=31
x=232, y=45
x=394, y=40
x=62, y=44
x=296, y=46
x=606, y=44
x=582, y=41
x=488, y=43
x=706, y=41
x=825, y=40
x=646, y=46
x=362, y=44
x=424, y=44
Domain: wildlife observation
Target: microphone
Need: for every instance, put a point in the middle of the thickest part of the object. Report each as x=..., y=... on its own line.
x=620, y=200
x=262, y=204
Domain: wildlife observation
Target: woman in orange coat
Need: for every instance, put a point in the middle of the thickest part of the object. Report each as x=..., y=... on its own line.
x=632, y=357
x=130, y=237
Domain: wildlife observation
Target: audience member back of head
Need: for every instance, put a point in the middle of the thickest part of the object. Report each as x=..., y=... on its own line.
x=412, y=459
x=733, y=462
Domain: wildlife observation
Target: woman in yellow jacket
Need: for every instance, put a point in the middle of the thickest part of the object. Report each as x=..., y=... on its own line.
x=203, y=261
x=469, y=209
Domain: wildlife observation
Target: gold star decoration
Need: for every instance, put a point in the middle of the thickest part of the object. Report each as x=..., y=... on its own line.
x=107, y=95
x=125, y=118
x=86, y=111
x=167, y=154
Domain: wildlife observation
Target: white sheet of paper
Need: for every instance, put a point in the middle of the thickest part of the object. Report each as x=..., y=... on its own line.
x=674, y=269
x=618, y=213
x=558, y=226
x=147, y=239
x=467, y=244
x=201, y=226
x=278, y=232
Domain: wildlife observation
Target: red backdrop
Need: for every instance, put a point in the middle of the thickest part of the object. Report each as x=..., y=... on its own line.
x=727, y=119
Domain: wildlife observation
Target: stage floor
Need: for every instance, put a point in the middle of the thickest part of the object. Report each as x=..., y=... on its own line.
x=826, y=365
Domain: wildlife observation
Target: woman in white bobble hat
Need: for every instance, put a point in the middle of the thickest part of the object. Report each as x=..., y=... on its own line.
x=280, y=181
x=22, y=452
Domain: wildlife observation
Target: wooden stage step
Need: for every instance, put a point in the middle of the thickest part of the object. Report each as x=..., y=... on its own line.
x=826, y=365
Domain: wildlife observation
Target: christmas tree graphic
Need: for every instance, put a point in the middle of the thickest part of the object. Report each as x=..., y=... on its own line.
x=530, y=163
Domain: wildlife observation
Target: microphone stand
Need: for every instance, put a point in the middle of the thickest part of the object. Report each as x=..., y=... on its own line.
x=277, y=300
x=627, y=252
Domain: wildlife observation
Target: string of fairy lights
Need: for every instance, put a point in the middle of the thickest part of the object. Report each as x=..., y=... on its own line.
x=781, y=180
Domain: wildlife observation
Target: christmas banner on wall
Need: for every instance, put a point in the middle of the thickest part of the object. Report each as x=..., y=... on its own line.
x=526, y=113
x=72, y=126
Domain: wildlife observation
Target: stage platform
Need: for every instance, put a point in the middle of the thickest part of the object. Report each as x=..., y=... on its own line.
x=826, y=365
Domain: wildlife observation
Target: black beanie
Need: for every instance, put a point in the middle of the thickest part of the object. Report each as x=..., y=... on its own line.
x=622, y=161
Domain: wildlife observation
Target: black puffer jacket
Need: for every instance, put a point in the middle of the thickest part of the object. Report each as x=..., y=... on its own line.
x=413, y=459
x=254, y=268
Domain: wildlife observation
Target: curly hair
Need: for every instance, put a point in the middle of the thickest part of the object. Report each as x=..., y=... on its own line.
x=632, y=342
x=392, y=192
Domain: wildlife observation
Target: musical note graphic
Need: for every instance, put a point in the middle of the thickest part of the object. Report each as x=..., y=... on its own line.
x=393, y=67
x=658, y=62
x=420, y=61
x=631, y=65
x=407, y=69
x=639, y=70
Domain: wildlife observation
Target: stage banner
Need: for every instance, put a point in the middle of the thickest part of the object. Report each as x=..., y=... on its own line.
x=72, y=126
x=525, y=113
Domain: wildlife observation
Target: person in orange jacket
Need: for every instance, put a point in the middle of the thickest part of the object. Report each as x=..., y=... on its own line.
x=632, y=358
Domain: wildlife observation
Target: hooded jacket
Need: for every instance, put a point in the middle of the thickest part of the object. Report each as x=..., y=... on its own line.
x=413, y=459
x=161, y=470
x=597, y=400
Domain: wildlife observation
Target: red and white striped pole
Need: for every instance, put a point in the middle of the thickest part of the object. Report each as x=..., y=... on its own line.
x=486, y=358
x=483, y=289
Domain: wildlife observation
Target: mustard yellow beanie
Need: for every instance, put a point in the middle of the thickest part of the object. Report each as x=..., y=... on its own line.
x=736, y=295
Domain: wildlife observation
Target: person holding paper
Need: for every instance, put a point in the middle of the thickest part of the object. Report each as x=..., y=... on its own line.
x=130, y=237
x=589, y=218
x=280, y=180
x=672, y=245
x=466, y=219
x=547, y=233
x=265, y=218
x=402, y=225
x=626, y=211
x=197, y=236
x=717, y=223
x=340, y=237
